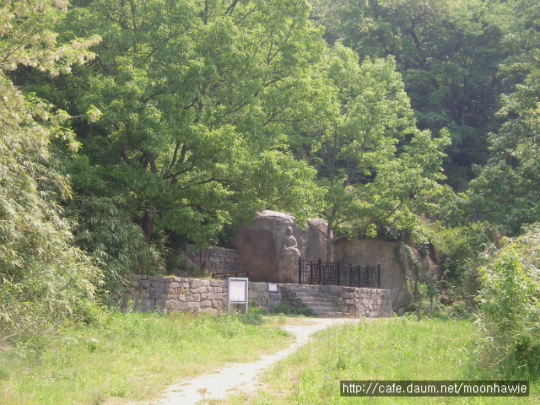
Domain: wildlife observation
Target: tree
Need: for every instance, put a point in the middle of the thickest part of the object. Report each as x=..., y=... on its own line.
x=198, y=101
x=44, y=279
x=376, y=168
x=507, y=189
x=449, y=57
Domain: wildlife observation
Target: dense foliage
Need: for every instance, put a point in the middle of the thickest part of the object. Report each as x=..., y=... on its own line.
x=45, y=278
x=510, y=310
x=450, y=54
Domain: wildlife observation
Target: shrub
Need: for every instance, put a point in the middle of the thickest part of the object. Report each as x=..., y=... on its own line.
x=510, y=307
x=44, y=278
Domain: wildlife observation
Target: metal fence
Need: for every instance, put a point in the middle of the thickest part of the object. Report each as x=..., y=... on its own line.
x=334, y=273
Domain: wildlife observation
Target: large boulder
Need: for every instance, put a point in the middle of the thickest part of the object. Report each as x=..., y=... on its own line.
x=270, y=247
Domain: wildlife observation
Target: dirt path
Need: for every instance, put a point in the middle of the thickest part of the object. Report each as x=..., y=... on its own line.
x=239, y=377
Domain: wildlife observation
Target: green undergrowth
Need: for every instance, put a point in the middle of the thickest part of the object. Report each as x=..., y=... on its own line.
x=396, y=349
x=129, y=355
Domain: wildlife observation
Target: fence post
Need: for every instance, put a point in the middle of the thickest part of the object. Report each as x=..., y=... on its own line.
x=300, y=270
x=338, y=272
x=320, y=271
x=378, y=276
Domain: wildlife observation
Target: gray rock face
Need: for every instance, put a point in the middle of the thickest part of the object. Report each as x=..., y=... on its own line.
x=395, y=265
x=270, y=247
x=372, y=252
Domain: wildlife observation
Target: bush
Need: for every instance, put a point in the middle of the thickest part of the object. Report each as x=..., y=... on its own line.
x=251, y=318
x=510, y=309
x=44, y=278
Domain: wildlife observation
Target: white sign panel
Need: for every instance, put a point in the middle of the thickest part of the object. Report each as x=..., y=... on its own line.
x=272, y=287
x=237, y=292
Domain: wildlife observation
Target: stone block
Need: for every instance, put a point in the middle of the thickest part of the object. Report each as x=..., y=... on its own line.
x=171, y=288
x=196, y=283
x=231, y=267
x=199, y=290
x=217, y=289
x=205, y=304
x=158, y=288
x=218, y=283
x=193, y=306
x=218, y=303
x=193, y=298
x=172, y=305
x=148, y=305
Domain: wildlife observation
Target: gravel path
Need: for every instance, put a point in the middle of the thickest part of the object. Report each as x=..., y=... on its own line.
x=239, y=377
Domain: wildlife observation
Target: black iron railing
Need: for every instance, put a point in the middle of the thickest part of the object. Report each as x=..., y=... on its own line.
x=334, y=273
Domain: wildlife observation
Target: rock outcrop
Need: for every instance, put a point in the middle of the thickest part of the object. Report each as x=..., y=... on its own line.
x=398, y=264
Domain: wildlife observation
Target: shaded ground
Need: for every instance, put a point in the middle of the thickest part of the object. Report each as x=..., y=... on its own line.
x=239, y=377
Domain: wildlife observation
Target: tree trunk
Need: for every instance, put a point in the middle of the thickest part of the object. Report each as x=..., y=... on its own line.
x=147, y=226
x=329, y=244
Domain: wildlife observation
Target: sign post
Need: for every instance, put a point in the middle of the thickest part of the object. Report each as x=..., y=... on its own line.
x=237, y=292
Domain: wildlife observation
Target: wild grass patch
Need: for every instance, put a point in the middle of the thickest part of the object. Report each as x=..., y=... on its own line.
x=396, y=349
x=130, y=355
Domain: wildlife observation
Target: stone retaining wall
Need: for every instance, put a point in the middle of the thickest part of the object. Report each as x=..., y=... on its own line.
x=216, y=259
x=365, y=302
x=352, y=301
x=198, y=295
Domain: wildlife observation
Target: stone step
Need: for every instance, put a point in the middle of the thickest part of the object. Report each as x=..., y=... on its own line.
x=300, y=294
x=331, y=315
x=311, y=298
x=318, y=295
x=303, y=296
x=317, y=309
x=327, y=304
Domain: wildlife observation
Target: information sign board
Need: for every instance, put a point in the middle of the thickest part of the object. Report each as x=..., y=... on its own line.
x=237, y=292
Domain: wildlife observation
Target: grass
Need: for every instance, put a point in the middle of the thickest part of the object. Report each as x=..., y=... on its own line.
x=395, y=349
x=131, y=355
